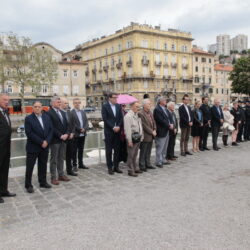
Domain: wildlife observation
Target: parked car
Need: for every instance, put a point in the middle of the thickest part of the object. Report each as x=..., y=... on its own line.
x=89, y=109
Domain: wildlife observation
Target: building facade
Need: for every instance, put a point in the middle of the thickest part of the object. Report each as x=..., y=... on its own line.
x=203, y=73
x=137, y=59
x=223, y=45
x=239, y=43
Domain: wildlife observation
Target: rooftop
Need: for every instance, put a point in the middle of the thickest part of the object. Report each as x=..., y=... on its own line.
x=223, y=67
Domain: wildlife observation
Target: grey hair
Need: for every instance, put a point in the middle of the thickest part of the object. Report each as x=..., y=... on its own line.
x=145, y=101
x=161, y=98
x=54, y=98
x=76, y=99
x=170, y=104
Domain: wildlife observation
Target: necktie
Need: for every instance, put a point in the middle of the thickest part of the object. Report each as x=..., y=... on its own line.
x=60, y=116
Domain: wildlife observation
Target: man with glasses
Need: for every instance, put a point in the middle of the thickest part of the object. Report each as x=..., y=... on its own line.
x=113, y=120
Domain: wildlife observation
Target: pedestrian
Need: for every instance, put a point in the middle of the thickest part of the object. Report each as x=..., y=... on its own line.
x=172, y=132
x=186, y=122
x=57, y=147
x=134, y=135
x=206, y=113
x=227, y=125
x=163, y=124
x=113, y=119
x=81, y=125
x=196, y=130
x=39, y=132
x=149, y=133
x=242, y=123
x=247, y=123
x=237, y=114
x=5, y=137
x=217, y=120
x=69, y=143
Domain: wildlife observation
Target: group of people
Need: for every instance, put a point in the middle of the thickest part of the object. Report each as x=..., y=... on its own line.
x=127, y=133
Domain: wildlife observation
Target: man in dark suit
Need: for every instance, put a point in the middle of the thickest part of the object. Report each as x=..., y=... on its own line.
x=39, y=131
x=186, y=122
x=164, y=123
x=60, y=135
x=172, y=133
x=206, y=113
x=216, y=122
x=113, y=120
x=69, y=144
x=5, y=136
x=81, y=125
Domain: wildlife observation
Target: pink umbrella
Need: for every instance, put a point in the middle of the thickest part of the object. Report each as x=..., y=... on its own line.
x=126, y=99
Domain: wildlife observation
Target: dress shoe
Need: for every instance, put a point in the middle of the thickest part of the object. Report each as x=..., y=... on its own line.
x=235, y=144
x=72, y=173
x=138, y=171
x=8, y=194
x=172, y=159
x=75, y=169
x=55, y=182
x=215, y=149
x=118, y=170
x=151, y=167
x=202, y=149
x=83, y=167
x=188, y=153
x=183, y=154
x=45, y=185
x=144, y=169
x=218, y=147
x=159, y=166
x=132, y=174
x=30, y=190
x=166, y=163
x=110, y=171
x=175, y=157
x=1, y=200
x=206, y=148
x=63, y=178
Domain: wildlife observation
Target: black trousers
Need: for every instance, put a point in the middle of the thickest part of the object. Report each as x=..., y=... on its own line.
x=69, y=155
x=240, y=132
x=78, y=147
x=215, y=134
x=171, y=145
x=204, y=136
x=145, y=154
x=4, y=165
x=31, y=158
x=112, y=143
x=247, y=130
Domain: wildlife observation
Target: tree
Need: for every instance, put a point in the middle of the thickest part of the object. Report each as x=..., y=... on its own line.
x=240, y=76
x=27, y=65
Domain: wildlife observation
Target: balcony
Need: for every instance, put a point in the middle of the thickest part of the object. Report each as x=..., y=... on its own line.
x=145, y=62
x=119, y=65
x=129, y=63
x=166, y=77
x=100, y=70
x=174, y=65
x=105, y=68
x=185, y=66
x=87, y=72
x=166, y=65
x=158, y=63
x=94, y=70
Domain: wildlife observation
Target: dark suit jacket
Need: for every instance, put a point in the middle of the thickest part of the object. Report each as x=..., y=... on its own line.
x=206, y=112
x=196, y=122
x=36, y=134
x=5, y=131
x=184, y=120
x=110, y=121
x=77, y=123
x=70, y=121
x=215, y=117
x=162, y=121
x=147, y=126
x=175, y=123
x=59, y=128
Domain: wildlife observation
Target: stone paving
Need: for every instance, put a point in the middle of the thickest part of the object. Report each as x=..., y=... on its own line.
x=199, y=202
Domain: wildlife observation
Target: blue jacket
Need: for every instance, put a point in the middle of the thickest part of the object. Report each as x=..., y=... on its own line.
x=36, y=134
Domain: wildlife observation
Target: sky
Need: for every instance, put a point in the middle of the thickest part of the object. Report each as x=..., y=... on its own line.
x=67, y=23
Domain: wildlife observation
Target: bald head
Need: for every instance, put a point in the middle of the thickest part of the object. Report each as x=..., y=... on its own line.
x=217, y=102
x=4, y=101
x=64, y=103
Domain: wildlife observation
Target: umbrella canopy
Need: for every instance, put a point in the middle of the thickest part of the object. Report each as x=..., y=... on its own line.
x=126, y=99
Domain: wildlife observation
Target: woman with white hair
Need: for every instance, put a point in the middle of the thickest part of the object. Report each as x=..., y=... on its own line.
x=227, y=127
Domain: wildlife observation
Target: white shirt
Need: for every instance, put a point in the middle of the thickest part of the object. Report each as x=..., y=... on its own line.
x=6, y=117
x=39, y=117
x=79, y=115
x=186, y=107
x=113, y=108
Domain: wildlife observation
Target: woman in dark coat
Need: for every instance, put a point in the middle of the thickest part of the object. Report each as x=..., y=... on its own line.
x=196, y=131
x=237, y=120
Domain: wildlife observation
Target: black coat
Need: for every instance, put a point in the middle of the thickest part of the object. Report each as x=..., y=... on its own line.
x=36, y=134
x=206, y=113
x=184, y=119
x=77, y=124
x=59, y=128
x=162, y=121
x=216, y=117
x=110, y=121
x=5, y=130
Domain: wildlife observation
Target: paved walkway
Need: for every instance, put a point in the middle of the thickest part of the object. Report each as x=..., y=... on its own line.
x=200, y=202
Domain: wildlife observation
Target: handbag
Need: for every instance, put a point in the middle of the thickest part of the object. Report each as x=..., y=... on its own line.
x=136, y=137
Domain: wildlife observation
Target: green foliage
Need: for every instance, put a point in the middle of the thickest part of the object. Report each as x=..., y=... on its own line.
x=240, y=76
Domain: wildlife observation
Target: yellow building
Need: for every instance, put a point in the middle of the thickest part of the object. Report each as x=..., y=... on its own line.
x=203, y=73
x=137, y=59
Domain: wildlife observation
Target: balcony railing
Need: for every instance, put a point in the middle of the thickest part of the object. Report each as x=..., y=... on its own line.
x=87, y=72
x=145, y=61
x=105, y=68
x=165, y=65
x=174, y=65
x=158, y=63
x=94, y=70
x=129, y=63
x=185, y=66
x=119, y=65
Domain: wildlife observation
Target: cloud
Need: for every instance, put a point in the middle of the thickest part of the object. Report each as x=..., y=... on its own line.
x=65, y=23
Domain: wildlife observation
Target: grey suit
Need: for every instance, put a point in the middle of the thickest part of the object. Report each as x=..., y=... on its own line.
x=79, y=138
